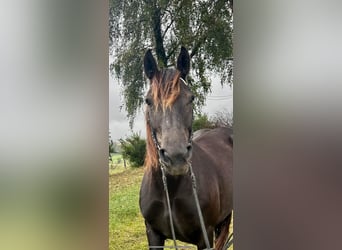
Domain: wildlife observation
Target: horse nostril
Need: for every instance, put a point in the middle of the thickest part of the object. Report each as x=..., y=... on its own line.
x=163, y=154
x=189, y=147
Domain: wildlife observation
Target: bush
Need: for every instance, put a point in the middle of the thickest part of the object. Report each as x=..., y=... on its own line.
x=220, y=119
x=201, y=121
x=133, y=149
x=223, y=119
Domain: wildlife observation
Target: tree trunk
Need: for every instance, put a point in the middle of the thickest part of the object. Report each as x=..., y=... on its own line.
x=157, y=32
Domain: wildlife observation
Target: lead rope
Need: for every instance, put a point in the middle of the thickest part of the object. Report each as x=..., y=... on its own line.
x=194, y=190
x=168, y=206
x=154, y=138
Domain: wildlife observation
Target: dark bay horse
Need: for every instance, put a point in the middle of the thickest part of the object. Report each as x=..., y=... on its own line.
x=169, y=116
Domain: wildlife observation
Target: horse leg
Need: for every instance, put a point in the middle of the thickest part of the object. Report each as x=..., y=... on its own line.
x=154, y=238
x=201, y=244
x=222, y=232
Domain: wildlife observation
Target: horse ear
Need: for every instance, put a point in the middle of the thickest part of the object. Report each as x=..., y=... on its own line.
x=183, y=62
x=150, y=65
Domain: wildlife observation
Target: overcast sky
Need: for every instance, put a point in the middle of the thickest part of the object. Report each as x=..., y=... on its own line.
x=220, y=99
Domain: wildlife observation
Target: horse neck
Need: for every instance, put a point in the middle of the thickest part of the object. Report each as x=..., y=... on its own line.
x=173, y=182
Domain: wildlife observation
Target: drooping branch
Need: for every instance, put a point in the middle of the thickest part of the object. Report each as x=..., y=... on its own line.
x=202, y=34
x=197, y=46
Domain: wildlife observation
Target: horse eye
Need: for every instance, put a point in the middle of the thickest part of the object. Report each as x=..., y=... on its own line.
x=192, y=98
x=148, y=101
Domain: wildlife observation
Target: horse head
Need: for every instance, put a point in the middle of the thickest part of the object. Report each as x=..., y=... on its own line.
x=169, y=115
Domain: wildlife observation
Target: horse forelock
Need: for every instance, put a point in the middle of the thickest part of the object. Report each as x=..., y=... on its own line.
x=165, y=88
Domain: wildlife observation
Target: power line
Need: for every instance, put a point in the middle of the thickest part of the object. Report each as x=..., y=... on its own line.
x=219, y=98
x=226, y=97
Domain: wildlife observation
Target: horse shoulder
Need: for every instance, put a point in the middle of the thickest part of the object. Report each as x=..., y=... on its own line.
x=212, y=163
x=150, y=198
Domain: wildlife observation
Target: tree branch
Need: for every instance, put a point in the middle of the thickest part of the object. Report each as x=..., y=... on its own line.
x=168, y=27
x=197, y=46
x=172, y=51
x=204, y=34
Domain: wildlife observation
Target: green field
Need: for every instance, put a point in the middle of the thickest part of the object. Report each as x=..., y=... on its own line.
x=126, y=225
x=117, y=164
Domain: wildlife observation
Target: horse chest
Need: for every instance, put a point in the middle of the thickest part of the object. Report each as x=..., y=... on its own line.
x=186, y=222
x=185, y=218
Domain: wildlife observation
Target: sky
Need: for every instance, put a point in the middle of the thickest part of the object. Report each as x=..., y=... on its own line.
x=221, y=99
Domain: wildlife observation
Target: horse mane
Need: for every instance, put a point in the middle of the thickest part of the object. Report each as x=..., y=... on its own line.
x=151, y=156
x=165, y=89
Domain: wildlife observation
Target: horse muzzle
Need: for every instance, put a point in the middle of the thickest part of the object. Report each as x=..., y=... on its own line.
x=175, y=160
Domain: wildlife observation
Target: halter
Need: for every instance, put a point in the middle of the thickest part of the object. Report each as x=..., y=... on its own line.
x=194, y=189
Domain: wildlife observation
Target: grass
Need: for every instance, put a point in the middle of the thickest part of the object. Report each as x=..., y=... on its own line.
x=126, y=225
x=117, y=164
x=116, y=156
